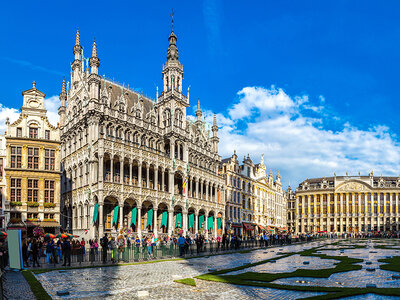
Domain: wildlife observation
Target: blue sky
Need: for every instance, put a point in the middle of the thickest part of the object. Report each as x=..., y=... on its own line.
x=311, y=84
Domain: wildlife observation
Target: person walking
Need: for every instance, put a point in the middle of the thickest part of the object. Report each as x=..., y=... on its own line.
x=67, y=252
x=104, y=247
x=181, y=243
x=25, y=248
x=35, y=253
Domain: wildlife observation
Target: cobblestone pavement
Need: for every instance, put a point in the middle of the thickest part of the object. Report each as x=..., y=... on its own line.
x=124, y=282
x=16, y=287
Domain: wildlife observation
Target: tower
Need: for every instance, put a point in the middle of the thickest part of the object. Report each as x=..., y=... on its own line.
x=172, y=103
x=76, y=66
x=94, y=78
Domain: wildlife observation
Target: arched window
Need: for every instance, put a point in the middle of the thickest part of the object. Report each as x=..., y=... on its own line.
x=167, y=118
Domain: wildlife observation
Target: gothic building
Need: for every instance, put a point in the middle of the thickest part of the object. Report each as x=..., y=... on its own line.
x=255, y=203
x=133, y=163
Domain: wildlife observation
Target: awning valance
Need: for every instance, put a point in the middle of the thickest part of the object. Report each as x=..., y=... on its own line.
x=149, y=217
x=134, y=216
x=248, y=226
x=115, y=218
x=164, y=220
x=261, y=227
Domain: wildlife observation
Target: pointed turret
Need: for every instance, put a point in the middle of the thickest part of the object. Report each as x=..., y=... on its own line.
x=215, y=138
x=198, y=111
x=172, y=71
x=77, y=46
x=63, y=100
x=94, y=60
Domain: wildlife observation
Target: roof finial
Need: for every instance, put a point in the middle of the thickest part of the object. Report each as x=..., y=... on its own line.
x=34, y=84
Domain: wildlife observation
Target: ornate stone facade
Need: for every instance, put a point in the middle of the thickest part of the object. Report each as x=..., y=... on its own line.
x=135, y=163
x=290, y=196
x=33, y=165
x=254, y=201
x=348, y=204
x=4, y=216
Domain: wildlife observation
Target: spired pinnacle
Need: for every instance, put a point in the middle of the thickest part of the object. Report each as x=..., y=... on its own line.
x=78, y=38
x=94, y=49
x=215, y=120
x=63, y=89
x=34, y=84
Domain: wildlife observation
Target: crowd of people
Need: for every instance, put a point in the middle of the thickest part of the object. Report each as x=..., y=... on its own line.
x=112, y=248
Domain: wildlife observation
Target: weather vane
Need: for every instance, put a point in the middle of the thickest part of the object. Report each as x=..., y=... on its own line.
x=172, y=19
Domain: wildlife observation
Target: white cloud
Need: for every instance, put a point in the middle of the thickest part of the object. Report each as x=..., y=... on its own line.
x=271, y=122
x=7, y=112
x=52, y=104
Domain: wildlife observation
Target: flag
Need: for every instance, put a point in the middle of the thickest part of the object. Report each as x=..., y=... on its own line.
x=184, y=185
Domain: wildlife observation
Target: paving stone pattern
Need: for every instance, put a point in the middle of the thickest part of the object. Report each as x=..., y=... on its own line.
x=16, y=287
x=124, y=282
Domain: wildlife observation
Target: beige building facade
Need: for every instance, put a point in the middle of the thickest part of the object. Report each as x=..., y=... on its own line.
x=133, y=163
x=348, y=204
x=255, y=203
x=32, y=169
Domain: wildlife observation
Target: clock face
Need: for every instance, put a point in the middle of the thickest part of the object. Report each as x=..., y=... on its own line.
x=33, y=103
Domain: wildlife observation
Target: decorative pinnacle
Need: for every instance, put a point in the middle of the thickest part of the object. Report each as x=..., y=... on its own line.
x=34, y=84
x=78, y=38
x=215, y=120
x=63, y=89
x=94, y=49
x=198, y=104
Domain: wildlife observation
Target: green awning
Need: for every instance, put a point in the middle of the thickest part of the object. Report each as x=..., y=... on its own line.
x=210, y=222
x=134, y=216
x=178, y=222
x=164, y=220
x=201, y=221
x=96, y=212
x=115, y=218
x=149, y=217
x=219, y=223
x=191, y=221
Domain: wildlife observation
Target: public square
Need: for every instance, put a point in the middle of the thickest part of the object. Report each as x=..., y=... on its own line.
x=157, y=279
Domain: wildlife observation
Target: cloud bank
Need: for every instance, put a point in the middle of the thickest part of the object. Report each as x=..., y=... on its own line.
x=295, y=137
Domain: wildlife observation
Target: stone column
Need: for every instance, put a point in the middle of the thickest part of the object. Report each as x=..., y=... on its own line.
x=101, y=166
x=201, y=189
x=207, y=186
x=140, y=164
x=215, y=226
x=379, y=211
x=172, y=148
x=347, y=211
x=148, y=175
x=121, y=171
x=372, y=212
x=335, y=212
x=139, y=221
x=197, y=188
x=397, y=211
x=341, y=213
x=206, y=225
x=112, y=168
x=170, y=221
x=155, y=225
x=163, y=180
x=196, y=222
x=155, y=178
x=303, y=203
x=328, y=212
x=121, y=215
x=130, y=172
x=101, y=220
x=184, y=221
x=171, y=183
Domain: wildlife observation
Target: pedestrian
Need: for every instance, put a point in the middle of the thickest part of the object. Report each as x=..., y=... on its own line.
x=104, y=246
x=35, y=253
x=67, y=252
x=25, y=250
x=181, y=242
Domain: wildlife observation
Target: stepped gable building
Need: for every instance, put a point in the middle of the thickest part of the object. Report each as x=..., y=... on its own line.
x=254, y=201
x=346, y=204
x=136, y=164
x=33, y=166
